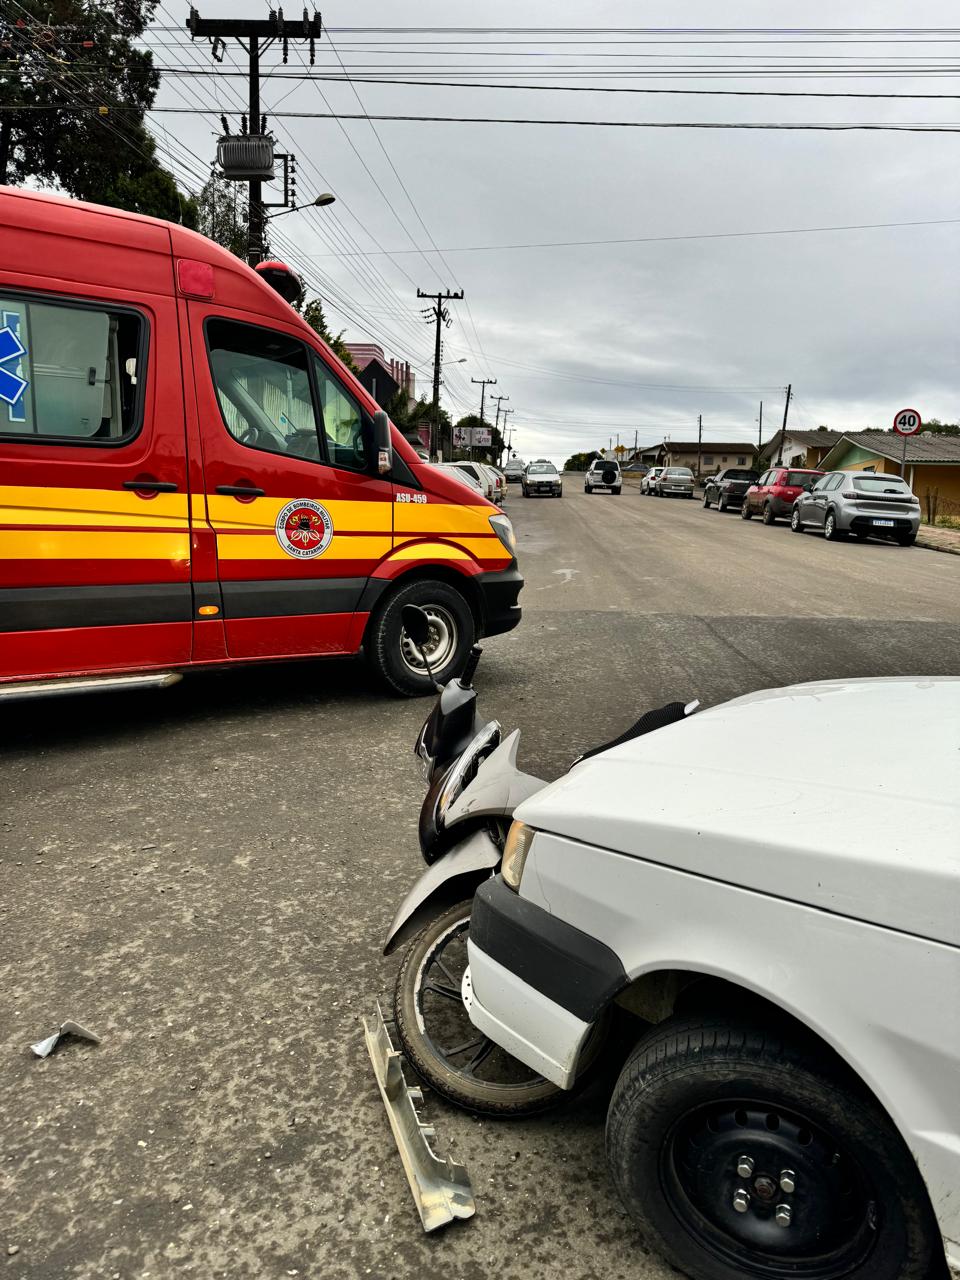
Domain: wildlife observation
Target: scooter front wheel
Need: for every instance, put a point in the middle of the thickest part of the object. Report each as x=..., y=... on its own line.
x=448, y=1052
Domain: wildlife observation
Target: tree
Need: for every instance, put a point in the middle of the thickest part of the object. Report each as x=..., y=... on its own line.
x=581, y=461
x=313, y=314
x=74, y=105
x=222, y=214
x=938, y=428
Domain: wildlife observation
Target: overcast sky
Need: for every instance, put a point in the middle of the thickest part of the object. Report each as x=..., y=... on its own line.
x=862, y=322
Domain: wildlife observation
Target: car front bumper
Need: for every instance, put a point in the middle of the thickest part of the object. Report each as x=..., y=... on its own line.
x=538, y=984
x=498, y=593
x=543, y=488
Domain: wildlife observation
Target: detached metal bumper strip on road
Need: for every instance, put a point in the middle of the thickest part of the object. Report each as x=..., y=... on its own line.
x=441, y=1189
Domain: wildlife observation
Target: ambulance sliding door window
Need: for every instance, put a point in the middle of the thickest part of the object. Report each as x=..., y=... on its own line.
x=69, y=373
x=263, y=388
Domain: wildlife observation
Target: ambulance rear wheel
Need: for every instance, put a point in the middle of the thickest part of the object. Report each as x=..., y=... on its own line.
x=393, y=656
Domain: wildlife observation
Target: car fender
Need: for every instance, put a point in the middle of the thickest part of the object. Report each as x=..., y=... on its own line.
x=475, y=857
x=886, y=1018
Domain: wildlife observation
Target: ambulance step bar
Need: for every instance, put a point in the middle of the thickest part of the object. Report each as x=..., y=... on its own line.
x=19, y=689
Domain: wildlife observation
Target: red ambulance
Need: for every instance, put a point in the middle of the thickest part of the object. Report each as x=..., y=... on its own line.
x=189, y=477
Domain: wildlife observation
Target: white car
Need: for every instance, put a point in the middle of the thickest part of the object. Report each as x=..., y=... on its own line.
x=785, y=926
x=649, y=482
x=483, y=476
x=463, y=476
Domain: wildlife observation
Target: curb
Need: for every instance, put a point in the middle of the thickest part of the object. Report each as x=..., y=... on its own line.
x=937, y=546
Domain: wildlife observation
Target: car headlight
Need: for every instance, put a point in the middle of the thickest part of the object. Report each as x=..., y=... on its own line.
x=460, y=774
x=519, y=840
x=504, y=530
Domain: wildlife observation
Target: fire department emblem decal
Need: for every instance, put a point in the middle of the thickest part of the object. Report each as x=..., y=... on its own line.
x=304, y=529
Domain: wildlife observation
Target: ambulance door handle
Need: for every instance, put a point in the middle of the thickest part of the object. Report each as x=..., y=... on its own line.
x=151, y=486
x=240, y=491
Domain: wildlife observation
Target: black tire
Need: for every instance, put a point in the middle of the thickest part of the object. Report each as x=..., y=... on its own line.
x=385, y=636
x=697, y=1093
x=906, y=539
x=722, y=503
x=745, y=512
x=530, y=1093
x=830, y=530
x=795, y=523
x=768, y=516
x=706, y=500
x=618, y=489
x=587, y=489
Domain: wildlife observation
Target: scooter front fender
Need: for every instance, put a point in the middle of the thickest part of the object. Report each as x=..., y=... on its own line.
x=442, y=884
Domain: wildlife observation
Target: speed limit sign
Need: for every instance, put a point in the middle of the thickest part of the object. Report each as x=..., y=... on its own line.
x=907, y=422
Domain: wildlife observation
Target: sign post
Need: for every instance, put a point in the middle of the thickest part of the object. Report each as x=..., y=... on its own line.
x=906, y=423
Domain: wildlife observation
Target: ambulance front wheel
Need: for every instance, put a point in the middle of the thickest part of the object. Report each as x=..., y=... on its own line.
x=393, y=656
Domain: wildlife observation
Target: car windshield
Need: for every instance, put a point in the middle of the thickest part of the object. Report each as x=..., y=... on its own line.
x=541, y=469
x=683, y=472
x=801, y=477
x=740, y=475
x=880, y=484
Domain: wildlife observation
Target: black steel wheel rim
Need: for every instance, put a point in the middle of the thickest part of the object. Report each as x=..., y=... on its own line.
x=446, y=1027
x=832, y=1210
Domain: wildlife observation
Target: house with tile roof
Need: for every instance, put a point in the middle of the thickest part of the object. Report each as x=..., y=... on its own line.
x=932, y=463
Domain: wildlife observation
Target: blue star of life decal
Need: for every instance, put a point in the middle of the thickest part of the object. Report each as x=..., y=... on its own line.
x=12, y=386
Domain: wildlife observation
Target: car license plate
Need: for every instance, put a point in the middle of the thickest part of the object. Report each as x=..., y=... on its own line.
x=886, y=524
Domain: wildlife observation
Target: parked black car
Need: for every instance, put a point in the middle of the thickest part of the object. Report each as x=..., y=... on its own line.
x=728, y=487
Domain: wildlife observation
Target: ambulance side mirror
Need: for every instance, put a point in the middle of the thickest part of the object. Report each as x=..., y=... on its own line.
x=383, y=442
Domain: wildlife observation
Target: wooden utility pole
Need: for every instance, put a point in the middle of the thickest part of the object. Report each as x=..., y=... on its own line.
x=699, y=443
x=442, y=316
x=783, y=429
x=482, y=383
x=255, y=36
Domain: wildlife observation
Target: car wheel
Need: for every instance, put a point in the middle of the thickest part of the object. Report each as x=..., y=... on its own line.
x=722, y=502
x=618, y=489
x=392, y=654
x=830, y=530
x=745, y=512
x=706, y=499
x=795, y=522
x=438, y=1038
x=768, y=516
x=587, y=489
x=906, y=539
x=748, y=1152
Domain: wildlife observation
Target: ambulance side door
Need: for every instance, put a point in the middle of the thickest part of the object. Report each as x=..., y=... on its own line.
x=300, y=519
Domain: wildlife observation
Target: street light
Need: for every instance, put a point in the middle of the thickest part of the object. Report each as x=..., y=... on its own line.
x=326, y=198
x=444, y=363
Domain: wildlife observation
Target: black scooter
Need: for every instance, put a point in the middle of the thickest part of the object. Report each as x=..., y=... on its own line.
x=473, y=787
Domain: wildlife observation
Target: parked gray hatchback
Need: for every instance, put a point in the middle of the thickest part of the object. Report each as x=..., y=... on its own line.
x=863, y=503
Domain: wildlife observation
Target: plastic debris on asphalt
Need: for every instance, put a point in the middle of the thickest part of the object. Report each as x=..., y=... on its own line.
x=44, y=1048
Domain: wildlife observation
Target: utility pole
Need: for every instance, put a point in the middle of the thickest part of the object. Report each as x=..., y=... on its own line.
x=504, y=428
x=442, y=316
x=760, y=438
x=255, y=37
x=699, y=444
x=783, y=429
x=483, y=383
x=496, y=425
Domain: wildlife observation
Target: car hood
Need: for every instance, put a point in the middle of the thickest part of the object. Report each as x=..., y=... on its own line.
x=843, y=795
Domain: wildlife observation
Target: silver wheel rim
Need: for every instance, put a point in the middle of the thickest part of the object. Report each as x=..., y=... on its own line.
x=828, y=527
x=440, y=648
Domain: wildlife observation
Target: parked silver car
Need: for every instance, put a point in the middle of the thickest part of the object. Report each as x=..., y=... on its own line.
x=864, y=503
x=674, y=482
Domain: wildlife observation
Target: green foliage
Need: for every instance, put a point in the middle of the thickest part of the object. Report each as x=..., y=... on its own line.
x=51, y=131
x=938, y=428
x=581, y=461
x=313, y=314
x=222, y=214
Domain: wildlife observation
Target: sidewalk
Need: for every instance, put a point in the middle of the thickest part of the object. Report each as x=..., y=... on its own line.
x=936, y=539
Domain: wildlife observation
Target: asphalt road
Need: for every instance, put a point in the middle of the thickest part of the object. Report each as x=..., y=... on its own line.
x=203, y=876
